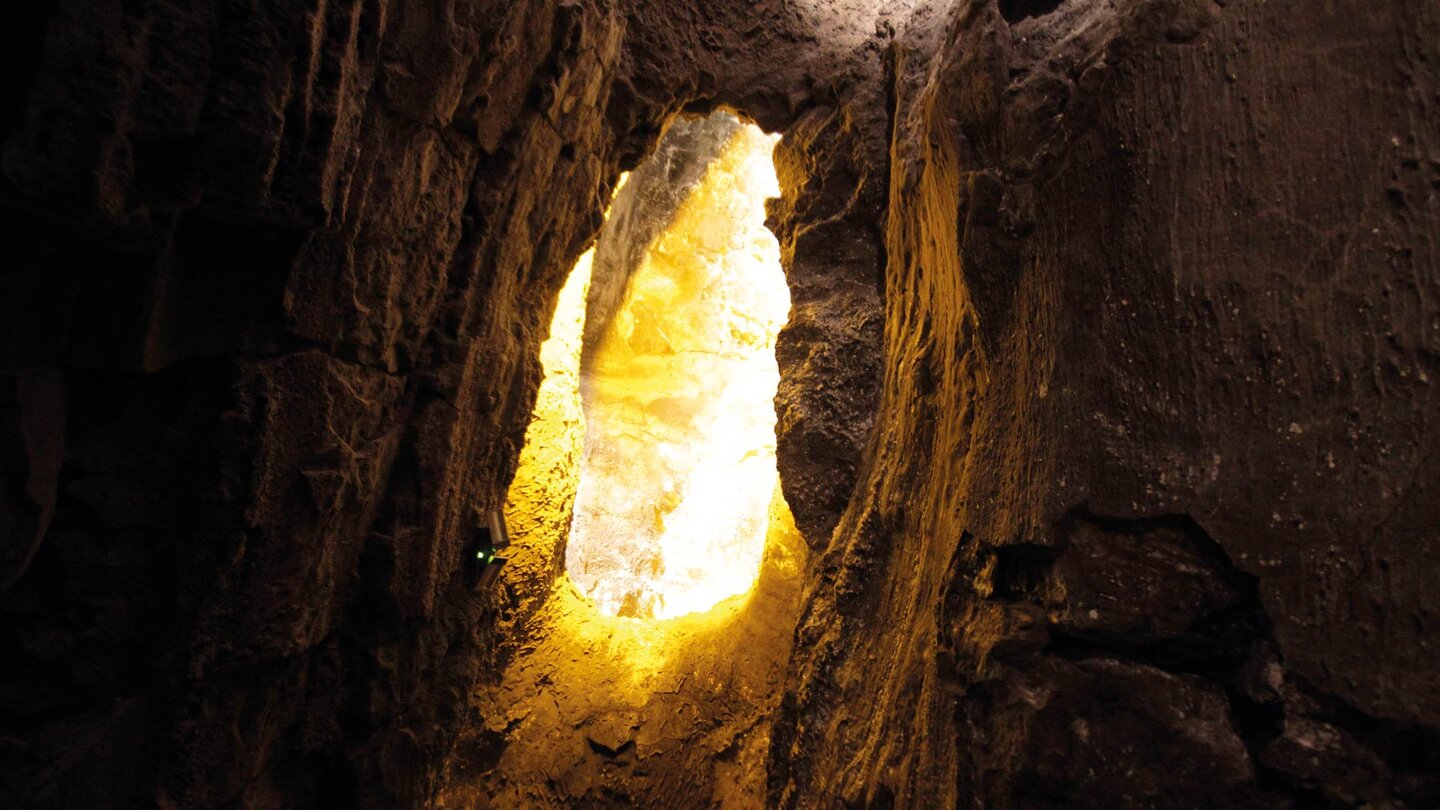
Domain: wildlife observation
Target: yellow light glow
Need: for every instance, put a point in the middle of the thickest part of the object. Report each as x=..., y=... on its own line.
x=537, y=508
x=698, y=471
x=678, y=472
x=538, y=503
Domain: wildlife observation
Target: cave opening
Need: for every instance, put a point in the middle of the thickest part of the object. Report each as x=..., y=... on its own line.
x=677, y=380
x=660, y=378
x=656, y=566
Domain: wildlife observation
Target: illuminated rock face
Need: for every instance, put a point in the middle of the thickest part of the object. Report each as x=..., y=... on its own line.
x=678, y=471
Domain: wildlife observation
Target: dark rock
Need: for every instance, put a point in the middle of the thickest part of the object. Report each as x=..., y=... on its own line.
x=1104, y=733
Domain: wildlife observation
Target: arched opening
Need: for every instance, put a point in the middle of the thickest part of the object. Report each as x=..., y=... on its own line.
x=678, y=381
x=650, y=459
x=656, y=416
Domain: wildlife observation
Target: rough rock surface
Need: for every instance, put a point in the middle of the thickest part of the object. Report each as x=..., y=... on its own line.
x=274, y=282
x=1148, y=513
x=603, y=711
x=829, y=219
x=1173, y=264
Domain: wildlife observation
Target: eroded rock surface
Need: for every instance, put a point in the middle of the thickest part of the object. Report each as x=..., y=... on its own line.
x=1106, y=403
x=274, y=283
x=1168, y=264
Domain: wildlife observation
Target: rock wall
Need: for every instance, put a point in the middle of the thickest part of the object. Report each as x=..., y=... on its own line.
x=273, y=285
x=1147, y=513
x=288, y=267
x=1151, y=518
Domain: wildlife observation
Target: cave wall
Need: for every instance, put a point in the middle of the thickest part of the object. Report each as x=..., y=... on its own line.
x=274, y=282
x=1151, y=518
x=289, y=266
x=1150, y=481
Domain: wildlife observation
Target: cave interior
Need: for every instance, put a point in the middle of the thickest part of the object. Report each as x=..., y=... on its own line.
x=737, y=403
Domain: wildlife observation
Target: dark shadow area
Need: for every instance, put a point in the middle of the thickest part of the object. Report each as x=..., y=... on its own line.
x=1016, y=10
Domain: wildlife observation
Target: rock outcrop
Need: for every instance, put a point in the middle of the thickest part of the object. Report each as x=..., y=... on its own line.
x=1150, y=519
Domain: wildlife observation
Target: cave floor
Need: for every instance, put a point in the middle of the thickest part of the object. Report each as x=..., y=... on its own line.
x=596, y=710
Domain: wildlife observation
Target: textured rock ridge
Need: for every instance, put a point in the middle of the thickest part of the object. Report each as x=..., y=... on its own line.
x=294, y=261
x=1132, y=249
